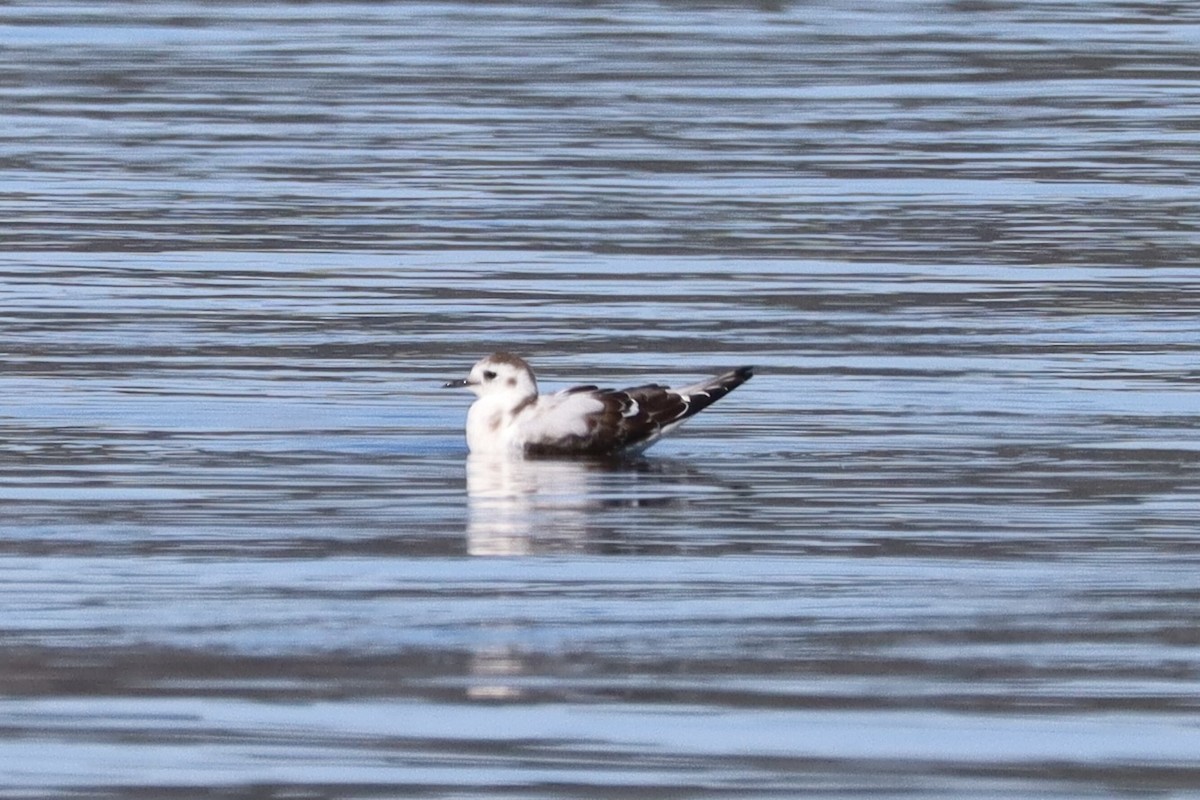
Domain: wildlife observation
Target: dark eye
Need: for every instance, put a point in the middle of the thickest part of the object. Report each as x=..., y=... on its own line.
x=489, y=375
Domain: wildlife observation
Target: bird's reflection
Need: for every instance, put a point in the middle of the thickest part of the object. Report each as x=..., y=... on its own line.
x=534, y=506
x=528, y=506
x=521, y=506
x=495, y=673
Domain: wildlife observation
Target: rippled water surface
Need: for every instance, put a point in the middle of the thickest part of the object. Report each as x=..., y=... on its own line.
x=945, y=543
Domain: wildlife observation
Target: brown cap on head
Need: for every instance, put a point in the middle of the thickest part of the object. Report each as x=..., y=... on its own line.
x=503, y=357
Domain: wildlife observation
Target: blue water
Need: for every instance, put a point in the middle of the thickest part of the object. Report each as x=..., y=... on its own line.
x=942, y=545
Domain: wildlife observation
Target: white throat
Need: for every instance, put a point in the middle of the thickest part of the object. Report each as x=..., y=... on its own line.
x=506, y=388
x=491, y=421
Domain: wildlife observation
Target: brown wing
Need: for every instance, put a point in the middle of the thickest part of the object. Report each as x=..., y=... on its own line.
x=631, y=419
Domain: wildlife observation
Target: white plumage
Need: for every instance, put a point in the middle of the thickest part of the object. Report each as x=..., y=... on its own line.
x=510, y=417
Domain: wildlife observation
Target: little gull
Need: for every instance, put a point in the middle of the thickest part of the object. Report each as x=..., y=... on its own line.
x=510, y=417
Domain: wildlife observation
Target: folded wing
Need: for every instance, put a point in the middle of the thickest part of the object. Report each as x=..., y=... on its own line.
x=587, y=421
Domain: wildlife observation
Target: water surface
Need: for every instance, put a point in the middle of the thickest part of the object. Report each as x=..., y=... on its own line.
x=943, y=545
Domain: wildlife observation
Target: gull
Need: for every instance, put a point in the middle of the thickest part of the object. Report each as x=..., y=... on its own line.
x=511, y=418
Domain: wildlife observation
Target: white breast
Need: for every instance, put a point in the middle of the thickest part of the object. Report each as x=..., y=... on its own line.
x=489, y=430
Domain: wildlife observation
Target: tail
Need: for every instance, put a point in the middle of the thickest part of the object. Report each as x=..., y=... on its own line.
x=645, y=414
x=701, y=395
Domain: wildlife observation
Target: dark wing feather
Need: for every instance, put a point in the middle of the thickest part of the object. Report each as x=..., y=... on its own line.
x=639, y=415
x=661, y=408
